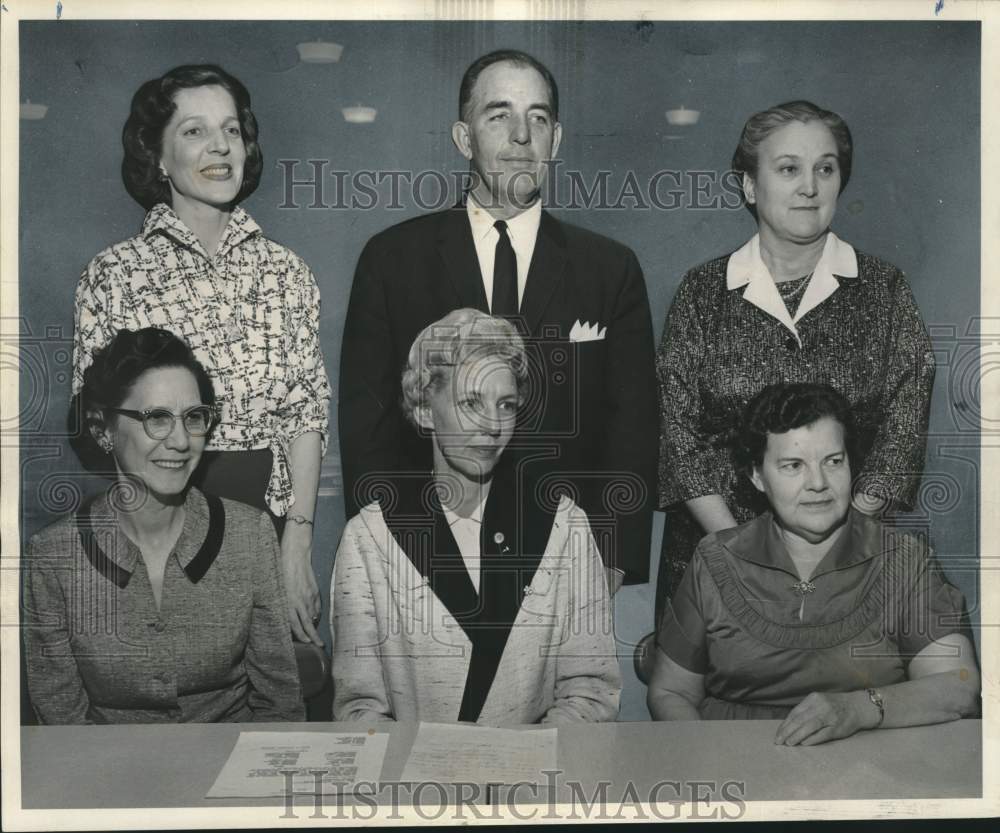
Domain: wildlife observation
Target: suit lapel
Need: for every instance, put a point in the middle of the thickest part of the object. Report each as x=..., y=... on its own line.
x=421, y=530
x=548, y=263
x=458, y=252
x=514, y=534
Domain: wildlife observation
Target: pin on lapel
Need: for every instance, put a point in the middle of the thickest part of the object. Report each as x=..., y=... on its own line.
x=498, y=539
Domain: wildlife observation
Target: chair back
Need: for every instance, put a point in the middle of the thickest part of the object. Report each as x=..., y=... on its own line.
x=642, y=658
x=314, y=668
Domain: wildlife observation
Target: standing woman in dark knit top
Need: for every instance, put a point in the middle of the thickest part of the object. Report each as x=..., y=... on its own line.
x=795, y=303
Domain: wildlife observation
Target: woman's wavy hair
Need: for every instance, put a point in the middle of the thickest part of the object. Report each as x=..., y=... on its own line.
x=784, y=407
x=153, y=106
x=462, y=336
x=761, y=125
x=111, y=376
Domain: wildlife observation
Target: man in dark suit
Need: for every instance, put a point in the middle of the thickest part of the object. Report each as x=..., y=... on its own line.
x=589, y=426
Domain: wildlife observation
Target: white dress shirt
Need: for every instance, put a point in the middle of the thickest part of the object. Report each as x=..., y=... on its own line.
x=522, y=230
x=466, y=532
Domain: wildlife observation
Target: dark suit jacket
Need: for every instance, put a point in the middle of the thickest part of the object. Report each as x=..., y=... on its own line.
x=590, y=424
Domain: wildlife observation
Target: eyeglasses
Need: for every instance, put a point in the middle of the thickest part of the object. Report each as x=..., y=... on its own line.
x=158, y=423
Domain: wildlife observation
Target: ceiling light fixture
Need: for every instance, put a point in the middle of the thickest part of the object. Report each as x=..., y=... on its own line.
x=319, y=52
x=33, y=112
x=359, y=114
x=682, y=117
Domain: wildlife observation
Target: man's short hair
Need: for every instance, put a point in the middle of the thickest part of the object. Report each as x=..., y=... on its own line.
x=513, y=56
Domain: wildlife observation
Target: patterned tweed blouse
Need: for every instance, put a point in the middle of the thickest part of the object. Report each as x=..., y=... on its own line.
x=250, y=313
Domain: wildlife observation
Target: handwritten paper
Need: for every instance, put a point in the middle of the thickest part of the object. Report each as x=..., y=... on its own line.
x=449, y=753
x=319, y=762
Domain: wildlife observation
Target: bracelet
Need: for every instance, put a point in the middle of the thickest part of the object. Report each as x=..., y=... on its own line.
x=301, y=520
x=876, y=697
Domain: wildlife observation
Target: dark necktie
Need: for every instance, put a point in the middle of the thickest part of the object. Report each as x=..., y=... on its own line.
x=504, y=300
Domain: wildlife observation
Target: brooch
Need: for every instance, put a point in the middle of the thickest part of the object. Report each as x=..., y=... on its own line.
x=803, y=587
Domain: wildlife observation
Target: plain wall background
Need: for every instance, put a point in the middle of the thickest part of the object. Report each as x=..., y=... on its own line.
x=909, y=91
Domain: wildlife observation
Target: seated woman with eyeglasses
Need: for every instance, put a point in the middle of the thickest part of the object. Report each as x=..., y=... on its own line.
x=155, y=603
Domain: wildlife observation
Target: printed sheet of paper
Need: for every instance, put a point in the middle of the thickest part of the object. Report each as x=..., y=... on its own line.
x=449, y=753
x=258, y=763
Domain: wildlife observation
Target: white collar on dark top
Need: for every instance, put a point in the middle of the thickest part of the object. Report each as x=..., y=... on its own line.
x=746, y=268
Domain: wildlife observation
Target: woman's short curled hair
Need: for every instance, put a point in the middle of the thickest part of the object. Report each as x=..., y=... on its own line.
x=111, y=376
x=153, y=106
x=761, y=125
x=783, y=407
x=462, y=336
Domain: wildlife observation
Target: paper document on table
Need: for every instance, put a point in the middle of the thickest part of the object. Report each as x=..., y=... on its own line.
x=449, y=753
x=319, y=762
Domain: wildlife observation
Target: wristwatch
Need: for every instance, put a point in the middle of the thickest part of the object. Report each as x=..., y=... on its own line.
x=876, y=697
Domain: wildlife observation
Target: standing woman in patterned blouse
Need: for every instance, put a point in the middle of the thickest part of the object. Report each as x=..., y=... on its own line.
x=249, y=308
x=795, y=303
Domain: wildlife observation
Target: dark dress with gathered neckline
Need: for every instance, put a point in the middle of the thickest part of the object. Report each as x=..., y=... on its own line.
x=879, y=598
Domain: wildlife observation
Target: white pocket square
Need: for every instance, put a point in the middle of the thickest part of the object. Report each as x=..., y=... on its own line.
x=586, y=332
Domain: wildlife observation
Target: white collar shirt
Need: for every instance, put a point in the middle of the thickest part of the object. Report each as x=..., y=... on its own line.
x=523, y=232
x=466, y=532
x=746, y=268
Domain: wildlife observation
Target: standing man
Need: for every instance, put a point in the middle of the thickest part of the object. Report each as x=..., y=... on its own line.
x=590, y=423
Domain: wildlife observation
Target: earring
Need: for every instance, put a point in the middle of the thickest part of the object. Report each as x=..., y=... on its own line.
x=107, y=446
x=164, y=176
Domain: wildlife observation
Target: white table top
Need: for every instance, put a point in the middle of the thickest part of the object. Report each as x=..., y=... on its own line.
x=175, y=765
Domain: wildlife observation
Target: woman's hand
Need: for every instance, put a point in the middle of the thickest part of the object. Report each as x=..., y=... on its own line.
x=822, y=717
x=300, y=583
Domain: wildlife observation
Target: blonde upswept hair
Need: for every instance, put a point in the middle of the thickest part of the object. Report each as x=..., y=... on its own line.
x=462, y=336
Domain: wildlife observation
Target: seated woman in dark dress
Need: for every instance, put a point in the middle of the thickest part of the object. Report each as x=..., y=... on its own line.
x=815, y=613
x=155, y=603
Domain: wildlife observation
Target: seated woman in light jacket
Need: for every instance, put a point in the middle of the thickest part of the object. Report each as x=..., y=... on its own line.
x=463, y=594
x=155, y=602
x=814, y=613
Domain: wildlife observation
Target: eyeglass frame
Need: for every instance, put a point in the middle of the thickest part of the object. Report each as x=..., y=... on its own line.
x=142, y=416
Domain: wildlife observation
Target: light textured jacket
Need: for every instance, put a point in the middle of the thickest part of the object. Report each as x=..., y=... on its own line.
x=403, y=651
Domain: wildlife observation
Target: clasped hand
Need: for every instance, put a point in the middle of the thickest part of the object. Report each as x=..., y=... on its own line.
x=823, y=717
